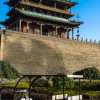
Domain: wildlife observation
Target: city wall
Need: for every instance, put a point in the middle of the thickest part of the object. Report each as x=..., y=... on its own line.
x=35, y=54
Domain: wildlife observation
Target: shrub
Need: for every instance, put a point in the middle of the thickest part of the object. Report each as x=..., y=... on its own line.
x=7, y=71
x=89, y=73
x=59, y=82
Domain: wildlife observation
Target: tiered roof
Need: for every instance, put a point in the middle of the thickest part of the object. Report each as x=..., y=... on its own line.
x=41, y=16
x=68, y=3
x=47, y=8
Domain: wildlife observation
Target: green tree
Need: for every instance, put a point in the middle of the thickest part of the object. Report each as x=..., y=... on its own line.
x=88, y=73
x=60, y=81
x=7, y=71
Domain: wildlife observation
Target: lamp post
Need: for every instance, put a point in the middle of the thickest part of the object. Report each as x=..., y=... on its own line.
x=63, y=87
x=79, y=77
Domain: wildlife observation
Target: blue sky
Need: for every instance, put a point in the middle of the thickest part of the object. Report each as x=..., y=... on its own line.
x=89, y=12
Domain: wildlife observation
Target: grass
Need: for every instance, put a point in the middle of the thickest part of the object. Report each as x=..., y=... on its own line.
x=55, y=91
x=12, y=85
x=45, y=90
x=92, y=93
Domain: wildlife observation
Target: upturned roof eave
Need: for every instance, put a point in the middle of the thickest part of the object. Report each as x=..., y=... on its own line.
x=68, y=3
x=54, y=19
x=44, y=17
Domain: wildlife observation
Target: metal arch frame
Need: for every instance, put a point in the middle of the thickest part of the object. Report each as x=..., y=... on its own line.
x=20, y=79
x=33, y=78
x=17, y=85
x=32, y=82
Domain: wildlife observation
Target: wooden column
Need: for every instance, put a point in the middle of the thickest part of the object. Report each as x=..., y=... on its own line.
x=41, y=29
x=20, y=25
x=55, y=5
x=28, y=27
x=68, y=33
x=56, y=31
x=40, y=1
x=72, y=33
x=17, y=25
